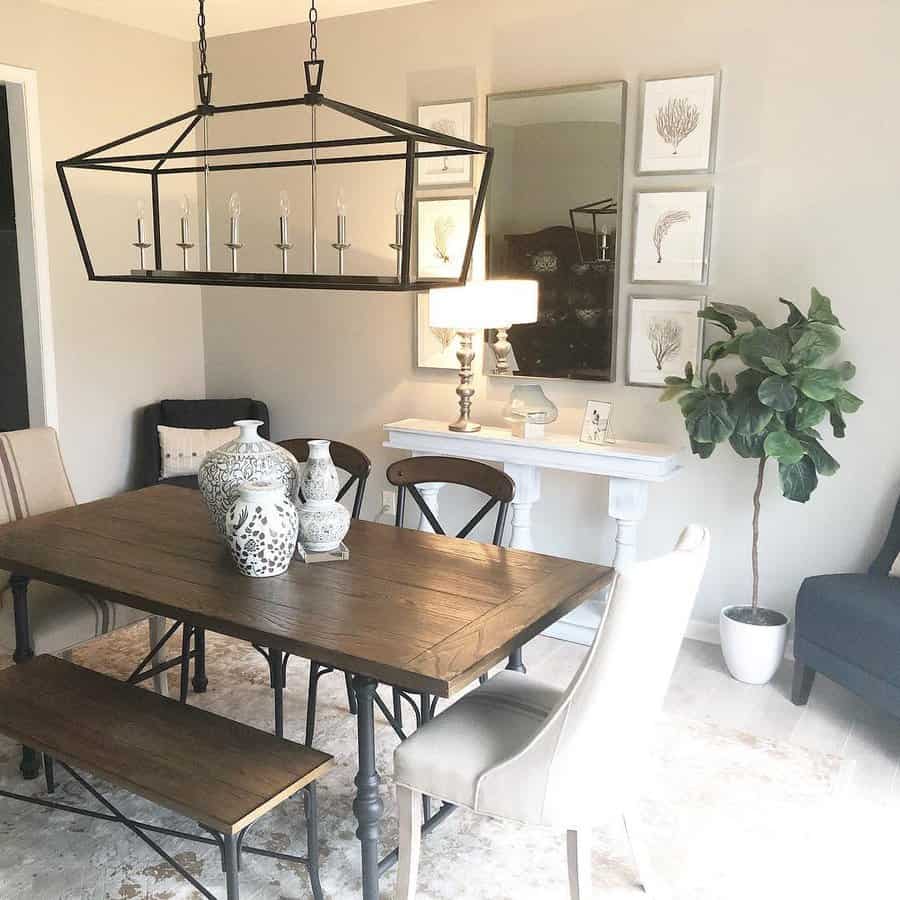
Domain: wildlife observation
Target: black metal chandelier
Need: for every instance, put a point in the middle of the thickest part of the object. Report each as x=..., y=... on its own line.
x=387, y=140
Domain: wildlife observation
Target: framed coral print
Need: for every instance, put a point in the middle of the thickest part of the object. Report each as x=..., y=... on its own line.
x=678, y=125
x=442, y=232
x=664, y=333
x=671, y=236
x=455, y=118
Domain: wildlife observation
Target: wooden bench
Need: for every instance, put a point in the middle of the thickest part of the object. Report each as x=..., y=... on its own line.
x=220, y=773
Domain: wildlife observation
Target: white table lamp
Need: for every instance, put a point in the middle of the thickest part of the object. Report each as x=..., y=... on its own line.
x=472, y=308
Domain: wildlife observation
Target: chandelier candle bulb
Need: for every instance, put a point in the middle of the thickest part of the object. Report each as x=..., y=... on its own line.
x=185, y=242
x=284, y=244
x=397, y=246
x=234, y=244
x=141, y=243
x=341, y=243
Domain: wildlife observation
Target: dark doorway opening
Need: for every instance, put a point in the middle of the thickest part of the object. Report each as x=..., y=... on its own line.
x=13, y=382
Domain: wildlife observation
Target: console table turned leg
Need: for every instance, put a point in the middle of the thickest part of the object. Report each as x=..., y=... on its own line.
x=528, y=492
x=627, y=505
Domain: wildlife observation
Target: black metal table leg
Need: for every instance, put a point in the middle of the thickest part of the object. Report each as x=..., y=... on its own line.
x=200, y=681
x=186, y=631
x=48, y=773
x=30, y=766
x=275, y=660
x=311, y=808
x=516, y=663
x=425, y=700
x=367, y=806
x=231, y=866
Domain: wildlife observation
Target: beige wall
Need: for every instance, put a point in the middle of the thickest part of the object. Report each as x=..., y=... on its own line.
x=118, y=347
x=806, y=192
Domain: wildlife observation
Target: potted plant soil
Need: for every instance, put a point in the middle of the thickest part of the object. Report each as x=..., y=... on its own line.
x=788, y=384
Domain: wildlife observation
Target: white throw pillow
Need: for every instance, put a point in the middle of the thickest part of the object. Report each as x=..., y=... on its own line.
x=895, y=568
x=181, y=450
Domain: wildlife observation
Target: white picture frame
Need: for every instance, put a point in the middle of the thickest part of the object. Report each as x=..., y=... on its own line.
x=436, y=350
x=671, y=236
x=455, y=118
x=678, y=125
x=442, y=233
x=595, y=426
x=664, y=333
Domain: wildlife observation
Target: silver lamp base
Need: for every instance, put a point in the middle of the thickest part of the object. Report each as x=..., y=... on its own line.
x=464, y=390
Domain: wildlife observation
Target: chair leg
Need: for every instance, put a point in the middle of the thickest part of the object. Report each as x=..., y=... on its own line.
x=409, y=805
x=578, y=851
x=200, y=680
x=186, y=632
x=653, y=888
x=311, y=702
x=803, y=682
x=157, y=628
x=351, y=697
x=48, y=773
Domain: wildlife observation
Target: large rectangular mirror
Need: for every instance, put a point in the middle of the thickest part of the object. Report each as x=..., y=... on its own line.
x=554, y=215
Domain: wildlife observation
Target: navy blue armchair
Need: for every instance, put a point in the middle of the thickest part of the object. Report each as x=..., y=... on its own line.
x=848, y=628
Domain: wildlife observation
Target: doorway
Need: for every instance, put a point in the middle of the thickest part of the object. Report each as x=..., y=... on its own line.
x=13, y=378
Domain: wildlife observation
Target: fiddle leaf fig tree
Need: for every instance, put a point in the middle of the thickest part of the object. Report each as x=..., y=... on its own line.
x=787, y=386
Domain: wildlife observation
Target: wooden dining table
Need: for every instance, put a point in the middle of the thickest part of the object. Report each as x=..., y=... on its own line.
x=423, y=612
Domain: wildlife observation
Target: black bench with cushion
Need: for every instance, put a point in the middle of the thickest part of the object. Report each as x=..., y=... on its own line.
x=191, y=414
x=222, y=774
x=848, y=628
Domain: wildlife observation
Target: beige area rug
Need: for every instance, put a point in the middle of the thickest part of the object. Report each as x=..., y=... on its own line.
x=729, y=816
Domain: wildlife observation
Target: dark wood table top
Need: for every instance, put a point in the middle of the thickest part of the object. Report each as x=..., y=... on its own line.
x=422, y=611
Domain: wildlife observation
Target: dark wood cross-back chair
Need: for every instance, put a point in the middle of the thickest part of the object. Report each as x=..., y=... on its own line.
x=406, y=475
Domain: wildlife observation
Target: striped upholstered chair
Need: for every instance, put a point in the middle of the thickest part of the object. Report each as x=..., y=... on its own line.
x=33, y=480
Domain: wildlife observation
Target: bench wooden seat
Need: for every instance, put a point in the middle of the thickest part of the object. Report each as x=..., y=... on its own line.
x=220, y=773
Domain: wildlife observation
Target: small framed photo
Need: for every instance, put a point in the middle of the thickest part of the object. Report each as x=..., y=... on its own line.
x=670, y=243
x=664, y=333
x=436, y=347
x=455, y=118
x=595, y=429
x=442, y=233
x=678, y=125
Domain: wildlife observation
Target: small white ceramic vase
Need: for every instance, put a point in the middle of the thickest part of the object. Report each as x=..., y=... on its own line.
x=261, y=529
x=248, y=457
x=753, y=652
x=323, y=521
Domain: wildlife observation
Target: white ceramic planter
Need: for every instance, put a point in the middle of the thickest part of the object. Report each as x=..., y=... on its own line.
x=323, y=521
x=752, y=653
x=261, y=529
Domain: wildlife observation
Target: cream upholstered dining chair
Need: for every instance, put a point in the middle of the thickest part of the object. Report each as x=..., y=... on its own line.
x=518, y=749
x=33, y=480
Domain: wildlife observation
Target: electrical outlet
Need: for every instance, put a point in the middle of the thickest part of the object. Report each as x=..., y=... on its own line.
x=389, y=502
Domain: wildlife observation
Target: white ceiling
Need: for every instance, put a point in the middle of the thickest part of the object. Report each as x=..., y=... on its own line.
x=178, y=18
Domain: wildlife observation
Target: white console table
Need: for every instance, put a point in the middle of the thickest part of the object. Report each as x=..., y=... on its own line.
x=630, y=466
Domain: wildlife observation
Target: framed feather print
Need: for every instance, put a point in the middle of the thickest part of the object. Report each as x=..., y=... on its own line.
x=670, y=244
x=678, y=125
x=442, y=233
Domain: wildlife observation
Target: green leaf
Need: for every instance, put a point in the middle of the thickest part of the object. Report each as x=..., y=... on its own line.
x=749, y=379
x=782, y=446
x=704, y=451
x=675, y=379
x=824, y=462
x=709, y=422
x=719, y=349
x=847, y=402
x=809, y=413
x=739, y=313
x=689, y=400
x=847, y=371
x=711, y=314
x=820, y=310
x=816, y=341
x=750, y=416
x=774, y=365
x=778, y=393
x=798, y=480
x=750, y=447
x=762, y=342
x=819, y=384
x=671, y=392
x=838, y=425
x=716, y=383
x=795, y=317
x=689, y=371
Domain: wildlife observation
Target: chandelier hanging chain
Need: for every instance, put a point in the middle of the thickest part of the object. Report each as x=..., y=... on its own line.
x=201, y=25
x=313, y=31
